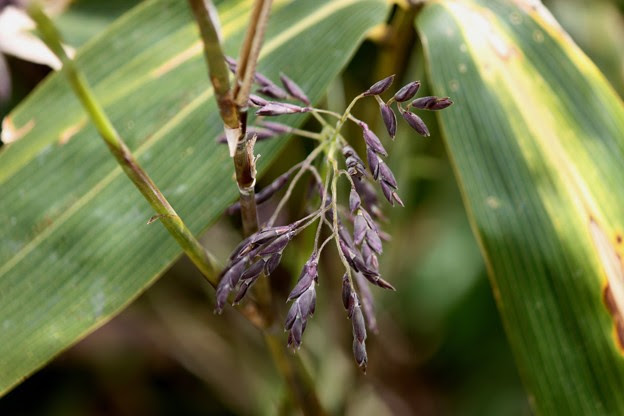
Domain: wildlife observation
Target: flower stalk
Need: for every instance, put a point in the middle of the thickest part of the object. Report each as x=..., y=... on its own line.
x=233, y=105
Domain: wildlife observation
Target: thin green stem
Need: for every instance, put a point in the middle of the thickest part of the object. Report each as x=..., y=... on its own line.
x=323, y=199
x=337, y=115
x=306, y=134
x=307, y=161
x=320, y=119
x=347, y=113
x=131, y=167
x=325, y=242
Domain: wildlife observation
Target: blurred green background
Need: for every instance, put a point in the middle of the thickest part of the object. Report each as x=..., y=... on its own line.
x=441, y=348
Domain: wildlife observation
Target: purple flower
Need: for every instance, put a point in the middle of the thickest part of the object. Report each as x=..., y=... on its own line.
x=278, y=109
x=373, y=162
x=431, y=103
x=273, y=91
x=253, y=272
x=368, y=306
x=276, y=246
x=372, y=140
x=389, y=119
x=359, y=353
x=407, y=91
x=373, y=241
x=370, y=259
x=359, y=337
x=416, y=123
x=229, y=280
x=267, y=87
x=349, y=298
x=257, y=101
x=294, y=89
x=277, y=128
x=306, y=279
x=390, y=193
x=359, y=326
x=386, y=174
x=304, y=302
x=359, y=229
x=355, y=166
x=272, y=263
x=379, y=87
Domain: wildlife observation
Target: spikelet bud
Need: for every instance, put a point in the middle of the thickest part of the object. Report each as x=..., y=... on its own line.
x=416, y=123
x=379, y=87
x=371, y=140
x=278, y=109
x=277, y=128
x=431, y=103
x=354, y=200
x=389, y=119
x=304, y=297
x=228, y=282
x=257, y=101
x=367, y=302
x=407, y=91
x=386, y=174
x=373, y=162
x=273, y=91
x=294, y=90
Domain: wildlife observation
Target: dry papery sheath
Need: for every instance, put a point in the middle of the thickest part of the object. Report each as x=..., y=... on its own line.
x=353, y=221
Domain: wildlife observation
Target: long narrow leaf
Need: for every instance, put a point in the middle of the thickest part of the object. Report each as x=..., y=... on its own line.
x=537, y=141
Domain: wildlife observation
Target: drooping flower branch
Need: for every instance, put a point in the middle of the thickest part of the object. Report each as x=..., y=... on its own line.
x=360, y=241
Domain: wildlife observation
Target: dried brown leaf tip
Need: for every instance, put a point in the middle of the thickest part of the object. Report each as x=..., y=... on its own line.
x=352, y=220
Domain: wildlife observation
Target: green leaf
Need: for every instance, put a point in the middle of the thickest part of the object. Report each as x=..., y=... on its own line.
x=75, y=246
x=536, y=140
x=85, y=18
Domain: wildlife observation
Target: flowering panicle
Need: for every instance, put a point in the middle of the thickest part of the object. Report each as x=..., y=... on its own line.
x=353, y=227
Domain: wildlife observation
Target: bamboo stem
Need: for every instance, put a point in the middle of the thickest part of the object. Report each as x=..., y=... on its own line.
x=233, y=102
x=131, y=167
x=215, y=60
x=289, y=366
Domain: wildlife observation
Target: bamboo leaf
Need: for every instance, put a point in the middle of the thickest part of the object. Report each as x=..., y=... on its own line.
x=75, y=246
x=536, y=141
x=83, y=19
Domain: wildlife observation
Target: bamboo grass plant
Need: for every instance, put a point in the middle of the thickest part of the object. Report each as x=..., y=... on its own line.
x=533, y=139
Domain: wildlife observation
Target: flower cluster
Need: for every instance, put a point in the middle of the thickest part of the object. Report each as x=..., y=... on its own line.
x=360, y=241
